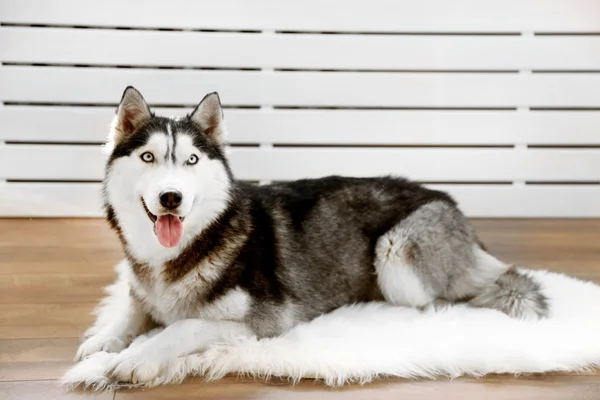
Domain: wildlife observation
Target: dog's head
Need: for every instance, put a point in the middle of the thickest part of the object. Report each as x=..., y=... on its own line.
x=166, y=178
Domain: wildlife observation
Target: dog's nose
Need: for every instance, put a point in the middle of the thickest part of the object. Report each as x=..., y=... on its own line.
x=171, y=199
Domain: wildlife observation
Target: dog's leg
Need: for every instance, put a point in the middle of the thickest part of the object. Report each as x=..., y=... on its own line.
x=120, y=319
x=147, y=361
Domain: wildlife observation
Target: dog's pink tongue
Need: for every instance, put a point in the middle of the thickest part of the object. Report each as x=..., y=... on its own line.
x=168, y=230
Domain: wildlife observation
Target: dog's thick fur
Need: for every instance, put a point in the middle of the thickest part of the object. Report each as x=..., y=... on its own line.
x=257, y=260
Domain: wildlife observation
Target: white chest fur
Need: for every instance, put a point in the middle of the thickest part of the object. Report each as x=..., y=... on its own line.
x=171, y=302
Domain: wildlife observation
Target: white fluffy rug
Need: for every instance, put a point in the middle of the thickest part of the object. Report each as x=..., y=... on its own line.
x=362, y=342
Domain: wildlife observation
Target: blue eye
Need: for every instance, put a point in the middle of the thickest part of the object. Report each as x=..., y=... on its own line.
x=147, y=157
x=192, y=160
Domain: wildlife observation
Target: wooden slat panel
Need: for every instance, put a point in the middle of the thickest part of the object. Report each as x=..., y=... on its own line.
x=90, y=124
x=532, y=201
x=48, y=199
x=475, y=200
x=234, y=50
x=30, y=289
x=28, y=359
x=41, y=370
x=31, y=350
x=45, y=320
x=503, y=387
x=87, y=162
x=51, y=162
x=46, y=390
x=94, y=253
x=563, y=246
x=315, y=15
x=419, y=164
x=104, y=85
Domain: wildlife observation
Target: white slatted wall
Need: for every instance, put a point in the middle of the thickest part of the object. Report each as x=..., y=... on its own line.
x=496, y=101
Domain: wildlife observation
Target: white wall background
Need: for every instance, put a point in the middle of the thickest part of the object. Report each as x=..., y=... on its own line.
x=496, y=101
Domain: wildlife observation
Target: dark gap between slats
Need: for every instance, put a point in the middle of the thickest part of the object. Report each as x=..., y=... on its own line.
x=93, y=143
x=487, y=183
x=123, y=66
x=564, y=108
x=314, y=145
x=545, y=183
x=567, y=33
x=565, y=71
x=184, y=107
x=126, y=28
x=16, y=181
x=44, y=143
x=243, y=68
x=315, y=107
x=392, y=33
x=490, y=183
x=255, y=107
x=54, y=180
x=563, y=146
x=61, y=104
x=386, y=146
x=404, y=71
x=257, y=31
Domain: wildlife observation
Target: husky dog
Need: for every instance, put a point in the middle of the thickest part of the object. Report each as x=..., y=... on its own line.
x=209, y=257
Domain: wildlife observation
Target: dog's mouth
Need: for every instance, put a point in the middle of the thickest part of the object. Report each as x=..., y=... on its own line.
x=153, y=217
x=168, y=228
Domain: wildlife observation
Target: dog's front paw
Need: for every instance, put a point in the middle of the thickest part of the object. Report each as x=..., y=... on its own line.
x=136, y=366
x=89, y=373
x=97, y=343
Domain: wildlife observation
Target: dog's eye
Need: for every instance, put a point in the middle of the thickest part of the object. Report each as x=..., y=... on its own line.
x=192, y=160
x=147, y=157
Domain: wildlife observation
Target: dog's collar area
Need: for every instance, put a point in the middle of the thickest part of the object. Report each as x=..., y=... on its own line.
x=153, y=217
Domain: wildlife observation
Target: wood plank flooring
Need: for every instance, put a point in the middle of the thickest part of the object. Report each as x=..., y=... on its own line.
x=52, y=272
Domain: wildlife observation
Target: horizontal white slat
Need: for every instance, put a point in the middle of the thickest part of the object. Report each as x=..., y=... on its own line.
x=558, y=201
x=234, y=50
x=50, y=200
x=90, y=124
x=315, y=15
x=420, y=164
x=30, y=162
x=350, y=89
x=84, y=200
x=51, y=162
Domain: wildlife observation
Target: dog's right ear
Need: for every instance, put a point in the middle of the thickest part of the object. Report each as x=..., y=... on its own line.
x=208, y=115
x=131, y=114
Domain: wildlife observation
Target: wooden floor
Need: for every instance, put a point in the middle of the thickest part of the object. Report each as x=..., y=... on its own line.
x=52, y=273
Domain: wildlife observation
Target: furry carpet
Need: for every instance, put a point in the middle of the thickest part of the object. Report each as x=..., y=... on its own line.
x=362, y=342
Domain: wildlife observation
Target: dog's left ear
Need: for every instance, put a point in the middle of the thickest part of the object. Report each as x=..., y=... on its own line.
x=209, y=116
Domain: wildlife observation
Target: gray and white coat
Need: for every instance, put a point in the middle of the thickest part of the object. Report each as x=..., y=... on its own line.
x=209, y=257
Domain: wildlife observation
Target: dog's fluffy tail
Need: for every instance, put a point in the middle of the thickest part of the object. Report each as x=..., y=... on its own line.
x=514, y=293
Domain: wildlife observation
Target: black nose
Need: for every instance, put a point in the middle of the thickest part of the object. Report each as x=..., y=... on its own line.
x=171, y=199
